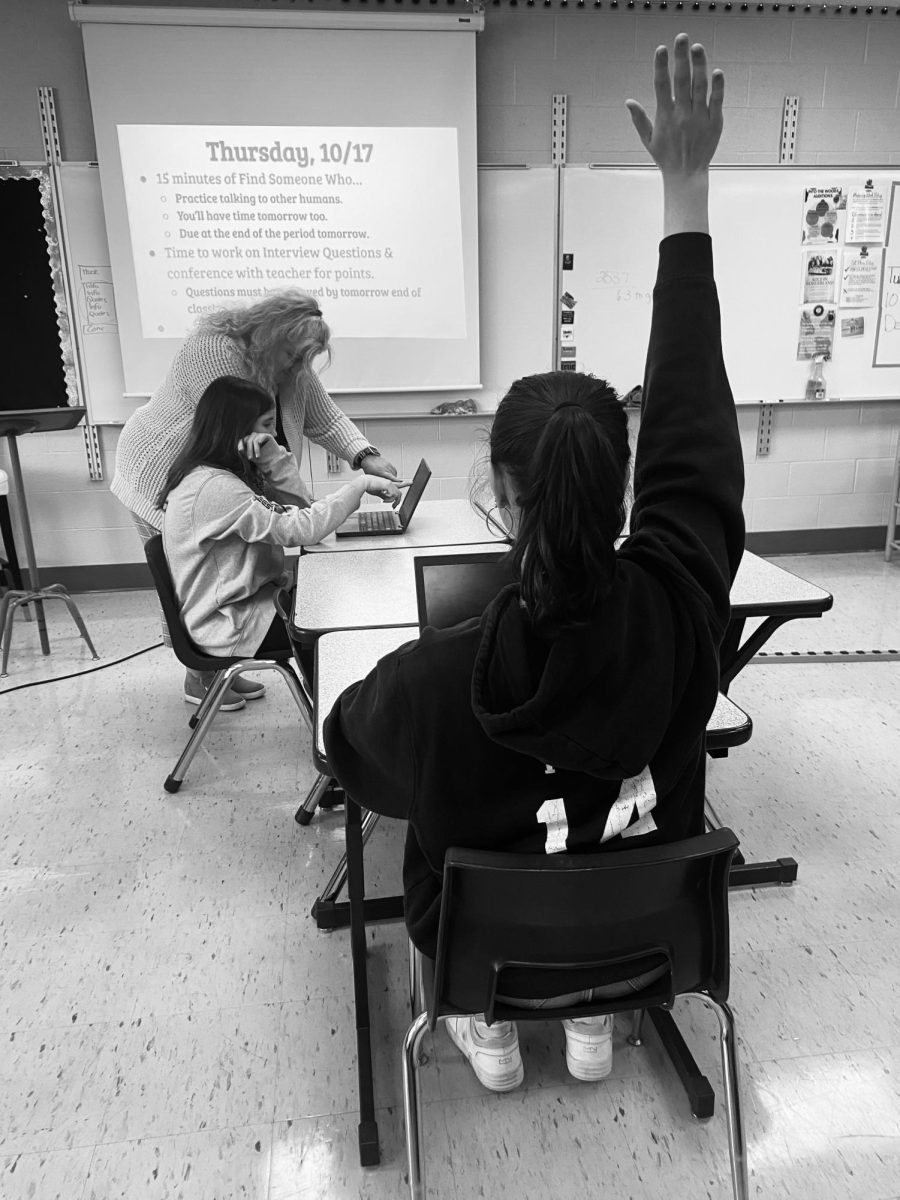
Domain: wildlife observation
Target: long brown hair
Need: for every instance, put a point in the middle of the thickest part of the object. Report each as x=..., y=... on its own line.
x=225, y=413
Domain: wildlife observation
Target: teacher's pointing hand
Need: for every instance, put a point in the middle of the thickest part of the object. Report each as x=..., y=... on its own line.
x=377, y=464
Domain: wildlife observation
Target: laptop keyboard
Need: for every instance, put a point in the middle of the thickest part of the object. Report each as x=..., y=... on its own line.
x=377, y=519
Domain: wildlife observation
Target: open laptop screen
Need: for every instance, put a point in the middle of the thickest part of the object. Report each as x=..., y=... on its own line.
x=453, y=587
x=414, y=493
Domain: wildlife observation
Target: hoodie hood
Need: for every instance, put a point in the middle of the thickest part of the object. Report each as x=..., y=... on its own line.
x=571, y=700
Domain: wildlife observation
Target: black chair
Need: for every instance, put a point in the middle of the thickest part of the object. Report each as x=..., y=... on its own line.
x=227, y=669
x=539, y=926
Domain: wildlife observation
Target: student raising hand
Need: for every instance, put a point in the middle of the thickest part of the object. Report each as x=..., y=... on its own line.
x=685, y=133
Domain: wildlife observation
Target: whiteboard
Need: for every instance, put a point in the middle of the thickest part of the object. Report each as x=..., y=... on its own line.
x=612, y=224
x=517, y=288
x=94, y=320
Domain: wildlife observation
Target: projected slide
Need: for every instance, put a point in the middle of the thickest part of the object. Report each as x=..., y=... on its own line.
x=366, y=219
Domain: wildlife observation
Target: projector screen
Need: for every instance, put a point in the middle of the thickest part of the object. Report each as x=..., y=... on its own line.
x=238, y=161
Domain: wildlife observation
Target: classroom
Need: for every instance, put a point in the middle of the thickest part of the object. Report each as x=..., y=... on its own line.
x=187, y=1014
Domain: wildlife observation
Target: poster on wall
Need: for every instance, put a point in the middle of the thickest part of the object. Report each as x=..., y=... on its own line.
x=816, y=331
x=859, y=278
x=818, y=276
x=865, y=214
x=822, y=207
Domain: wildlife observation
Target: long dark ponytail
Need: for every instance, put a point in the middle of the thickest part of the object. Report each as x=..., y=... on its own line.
x=225, y=413
x=562, y=437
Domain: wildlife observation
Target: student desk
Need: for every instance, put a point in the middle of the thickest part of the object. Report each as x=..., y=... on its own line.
x=369, y=591
x=762, y=589
x=434, y=523
x=342, y=658
x=361, y=590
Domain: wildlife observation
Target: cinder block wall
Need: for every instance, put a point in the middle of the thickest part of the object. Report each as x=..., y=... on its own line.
x=829, y=465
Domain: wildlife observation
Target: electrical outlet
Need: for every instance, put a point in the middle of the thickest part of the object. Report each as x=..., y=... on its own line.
x=334, y=463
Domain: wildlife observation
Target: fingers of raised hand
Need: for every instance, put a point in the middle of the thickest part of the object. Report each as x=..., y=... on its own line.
x=641, y=121
x=682, y=71
x=662, y=84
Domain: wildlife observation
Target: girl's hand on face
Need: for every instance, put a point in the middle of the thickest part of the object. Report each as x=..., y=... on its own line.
x=258, y=447
x=387, y=489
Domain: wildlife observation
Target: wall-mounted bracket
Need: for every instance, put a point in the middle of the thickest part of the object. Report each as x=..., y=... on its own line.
x=789, y=116
x=558, y=131
x=764, y=430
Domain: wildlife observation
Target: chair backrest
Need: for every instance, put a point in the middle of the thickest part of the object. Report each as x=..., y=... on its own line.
x=538, y=926
x=187, y=652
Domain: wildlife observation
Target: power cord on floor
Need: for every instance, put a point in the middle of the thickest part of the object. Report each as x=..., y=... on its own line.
x=75, y=674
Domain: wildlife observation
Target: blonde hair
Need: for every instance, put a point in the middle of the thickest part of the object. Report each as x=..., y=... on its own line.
x=287, y=318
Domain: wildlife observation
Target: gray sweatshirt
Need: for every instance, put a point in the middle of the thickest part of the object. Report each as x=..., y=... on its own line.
x=224, y=545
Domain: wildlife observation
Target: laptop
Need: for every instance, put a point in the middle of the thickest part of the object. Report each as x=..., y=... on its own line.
x=454, y=587
x=372, y=522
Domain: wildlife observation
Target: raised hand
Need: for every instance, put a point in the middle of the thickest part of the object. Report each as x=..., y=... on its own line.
x=683, y=137
x=688, y=124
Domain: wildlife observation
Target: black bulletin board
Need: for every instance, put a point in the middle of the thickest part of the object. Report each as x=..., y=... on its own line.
x=34, y=373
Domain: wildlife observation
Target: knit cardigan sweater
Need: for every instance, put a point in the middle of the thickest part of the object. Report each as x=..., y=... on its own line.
x=155, y=433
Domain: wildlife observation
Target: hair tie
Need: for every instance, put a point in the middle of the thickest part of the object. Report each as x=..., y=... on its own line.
x=569, y=404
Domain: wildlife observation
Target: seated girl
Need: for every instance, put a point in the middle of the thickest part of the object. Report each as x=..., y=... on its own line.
x=589, y=680
x=233, y=500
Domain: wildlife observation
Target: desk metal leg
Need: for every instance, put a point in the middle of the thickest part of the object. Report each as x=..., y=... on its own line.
x=369, y=1154
x=330, y=914
x=733, y=658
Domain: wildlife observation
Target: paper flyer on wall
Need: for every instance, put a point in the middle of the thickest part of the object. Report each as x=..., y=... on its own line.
x=818, y=275
x=859, y=277
x=866, y=210
x=816, y=331
x=821, y=210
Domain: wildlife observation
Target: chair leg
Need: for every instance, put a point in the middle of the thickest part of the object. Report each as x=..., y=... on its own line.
x=300, y=693
x=637, y=1023
x=12, y=601
x=4, y=607
x=737, y=1146
x=412, y=1107
x=58, y=590
x=205, y=716
x=306, y=811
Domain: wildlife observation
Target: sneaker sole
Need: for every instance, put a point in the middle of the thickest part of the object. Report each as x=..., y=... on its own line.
x=494, y=1083
x=589, y=1072
x=231, y=706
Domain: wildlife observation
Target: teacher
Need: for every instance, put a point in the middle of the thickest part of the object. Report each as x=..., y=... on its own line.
x=273, y=344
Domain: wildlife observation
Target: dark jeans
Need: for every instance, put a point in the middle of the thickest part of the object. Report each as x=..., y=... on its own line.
x=277, y=641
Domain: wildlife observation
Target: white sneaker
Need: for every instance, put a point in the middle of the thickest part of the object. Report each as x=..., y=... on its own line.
x=589, y=1047
x=494, y=1055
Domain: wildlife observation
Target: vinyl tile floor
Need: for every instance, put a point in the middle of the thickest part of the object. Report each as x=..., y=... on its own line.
x=176, y=1028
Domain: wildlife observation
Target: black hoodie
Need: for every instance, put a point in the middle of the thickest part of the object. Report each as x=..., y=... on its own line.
x=491, y=736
